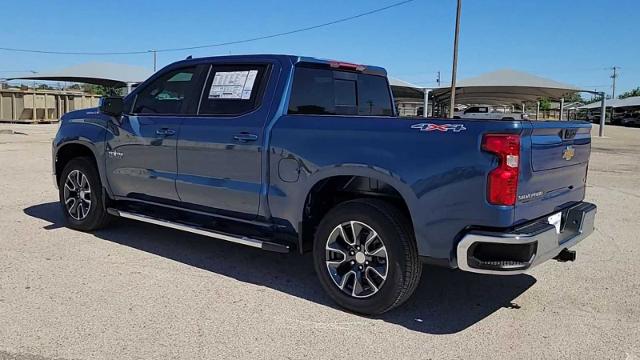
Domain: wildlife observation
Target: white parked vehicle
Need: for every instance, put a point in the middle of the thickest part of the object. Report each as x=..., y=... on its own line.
x=489, y=113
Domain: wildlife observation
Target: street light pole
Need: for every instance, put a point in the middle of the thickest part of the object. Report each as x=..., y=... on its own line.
x=455, y=61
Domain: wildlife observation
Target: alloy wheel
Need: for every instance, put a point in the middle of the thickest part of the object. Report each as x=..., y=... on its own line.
x=356, y=259
x=77, y=195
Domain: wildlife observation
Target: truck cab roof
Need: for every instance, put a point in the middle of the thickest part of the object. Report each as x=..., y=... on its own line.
x=291, y=59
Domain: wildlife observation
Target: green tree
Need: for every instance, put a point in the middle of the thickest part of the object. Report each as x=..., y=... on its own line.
x=545, y=104
x=575, y=97
x=99, y=90
x=630, y=93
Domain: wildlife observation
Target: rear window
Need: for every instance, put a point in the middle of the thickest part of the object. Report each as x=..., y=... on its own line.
x=331, y=92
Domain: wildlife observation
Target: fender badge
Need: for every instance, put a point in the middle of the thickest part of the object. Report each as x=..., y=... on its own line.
x=442, y=128
x=115, y=154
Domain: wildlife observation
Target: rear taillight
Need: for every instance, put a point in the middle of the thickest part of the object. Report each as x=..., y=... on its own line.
x=502, y=187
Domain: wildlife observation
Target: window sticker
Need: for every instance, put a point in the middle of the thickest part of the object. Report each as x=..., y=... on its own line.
x=233, y=85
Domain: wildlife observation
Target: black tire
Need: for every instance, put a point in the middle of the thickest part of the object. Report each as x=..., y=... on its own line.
x=404, y=267
x=97, y=216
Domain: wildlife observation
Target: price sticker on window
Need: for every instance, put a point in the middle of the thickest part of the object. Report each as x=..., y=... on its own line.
x=230, y=85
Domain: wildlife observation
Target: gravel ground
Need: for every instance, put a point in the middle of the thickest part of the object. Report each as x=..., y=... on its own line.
x=140, y=291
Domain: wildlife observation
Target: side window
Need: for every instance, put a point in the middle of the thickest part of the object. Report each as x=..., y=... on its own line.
x=312, y=92
x=169, y=94
x=483, y=110
x=331, y=92
x=233, y=89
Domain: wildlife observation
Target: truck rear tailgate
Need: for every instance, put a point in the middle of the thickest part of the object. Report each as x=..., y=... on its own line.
x=555, y=158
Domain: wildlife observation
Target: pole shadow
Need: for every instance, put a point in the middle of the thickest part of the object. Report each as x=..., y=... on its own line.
x=446, y=301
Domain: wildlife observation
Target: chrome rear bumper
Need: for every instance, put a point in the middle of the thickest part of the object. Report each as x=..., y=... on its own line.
x=514, y=252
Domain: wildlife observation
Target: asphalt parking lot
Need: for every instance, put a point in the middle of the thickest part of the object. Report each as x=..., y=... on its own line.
x=141, y=291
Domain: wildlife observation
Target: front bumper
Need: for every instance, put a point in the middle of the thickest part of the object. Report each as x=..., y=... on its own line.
x=514, y=252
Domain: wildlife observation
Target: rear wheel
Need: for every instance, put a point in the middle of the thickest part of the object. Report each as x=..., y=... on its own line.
x=366, y=257
x=80, y=194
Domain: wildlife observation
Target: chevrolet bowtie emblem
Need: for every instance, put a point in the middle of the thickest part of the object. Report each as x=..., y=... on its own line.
x=568, y=153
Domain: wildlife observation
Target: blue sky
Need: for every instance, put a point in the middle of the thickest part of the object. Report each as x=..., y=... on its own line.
x=570, y=41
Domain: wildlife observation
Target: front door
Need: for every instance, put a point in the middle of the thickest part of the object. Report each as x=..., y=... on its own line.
x=219, y=151
x=141, y=151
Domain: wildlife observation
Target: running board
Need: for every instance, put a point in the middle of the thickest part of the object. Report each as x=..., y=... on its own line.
x=260, y=244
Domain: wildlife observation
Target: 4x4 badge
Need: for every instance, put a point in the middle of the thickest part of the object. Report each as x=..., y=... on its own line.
x=439, y=127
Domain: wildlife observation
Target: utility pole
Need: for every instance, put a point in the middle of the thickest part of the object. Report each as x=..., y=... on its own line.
x=154, y=58
x=614, y=76
x=438, y=79
x=455, y=61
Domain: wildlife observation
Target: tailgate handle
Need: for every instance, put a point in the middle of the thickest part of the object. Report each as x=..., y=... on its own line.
x=568, y=134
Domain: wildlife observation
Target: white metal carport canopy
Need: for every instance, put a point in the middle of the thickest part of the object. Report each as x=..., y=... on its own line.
x=105, y=74
x=615, y=103
x=505, y=87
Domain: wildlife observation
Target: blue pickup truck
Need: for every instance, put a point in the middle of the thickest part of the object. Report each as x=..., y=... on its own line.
x=288, y=153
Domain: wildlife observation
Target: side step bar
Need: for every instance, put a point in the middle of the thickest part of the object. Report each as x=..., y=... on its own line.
x=260, y=244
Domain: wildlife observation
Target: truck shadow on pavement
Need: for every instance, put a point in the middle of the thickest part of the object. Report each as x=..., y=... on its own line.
x=446, y=301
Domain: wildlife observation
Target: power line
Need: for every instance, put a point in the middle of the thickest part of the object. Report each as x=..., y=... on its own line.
x=264, y=37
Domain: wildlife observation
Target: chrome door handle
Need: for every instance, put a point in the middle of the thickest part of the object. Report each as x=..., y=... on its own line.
x=165, y=132
x=245, y=137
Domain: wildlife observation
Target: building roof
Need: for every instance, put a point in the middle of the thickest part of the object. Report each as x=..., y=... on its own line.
x=401, y=83
x=615, y=103
x=505, y=87
x=105, y=74
x=403, y=89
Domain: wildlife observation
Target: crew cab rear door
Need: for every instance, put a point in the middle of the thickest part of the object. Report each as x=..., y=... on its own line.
x=141, y=150
x=219, y=149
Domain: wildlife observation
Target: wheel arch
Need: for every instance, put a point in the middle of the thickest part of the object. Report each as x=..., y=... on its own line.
x=349, y=182
x=71, y=150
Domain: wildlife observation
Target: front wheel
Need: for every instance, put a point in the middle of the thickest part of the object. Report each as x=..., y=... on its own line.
x=81, y=198
x=365, y=256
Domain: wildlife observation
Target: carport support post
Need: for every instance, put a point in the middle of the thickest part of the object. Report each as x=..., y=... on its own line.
x=538, y=110
x=426, y=102
x=603, y=110
x=561, y=108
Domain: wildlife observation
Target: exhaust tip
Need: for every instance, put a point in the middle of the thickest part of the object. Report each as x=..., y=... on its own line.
x=566, y=255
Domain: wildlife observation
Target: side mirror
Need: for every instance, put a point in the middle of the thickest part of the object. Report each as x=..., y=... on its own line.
x=112, y=105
